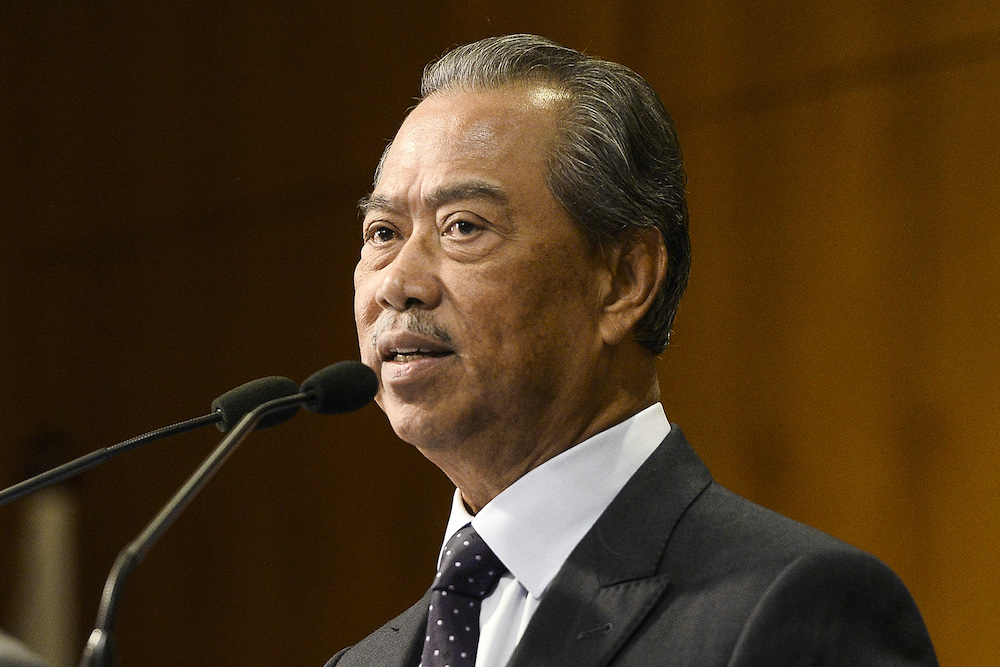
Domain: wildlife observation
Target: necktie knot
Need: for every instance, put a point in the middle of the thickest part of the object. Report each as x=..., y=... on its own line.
x=468, y=566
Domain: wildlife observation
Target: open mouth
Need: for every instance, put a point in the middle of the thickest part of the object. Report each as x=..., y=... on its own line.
x=409, y=346
x=405, y=355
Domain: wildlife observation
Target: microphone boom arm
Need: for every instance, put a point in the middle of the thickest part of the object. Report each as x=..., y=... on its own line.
x=92, y=459
x=226, y=411
x=99, y=651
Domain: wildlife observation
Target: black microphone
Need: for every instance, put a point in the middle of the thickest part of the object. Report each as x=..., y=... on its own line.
x=342, y=387
x=235, y=403
x=227, y=410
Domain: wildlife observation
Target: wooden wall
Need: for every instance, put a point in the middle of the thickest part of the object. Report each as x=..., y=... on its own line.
x=177, y=217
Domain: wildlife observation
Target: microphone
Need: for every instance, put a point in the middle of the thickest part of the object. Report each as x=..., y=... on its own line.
x=231, y=406
x=227, y=410
x=343, y=387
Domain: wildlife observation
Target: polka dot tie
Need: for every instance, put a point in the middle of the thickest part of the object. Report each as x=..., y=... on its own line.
x=469, y=572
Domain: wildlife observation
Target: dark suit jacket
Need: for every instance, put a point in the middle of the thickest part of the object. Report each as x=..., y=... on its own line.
x=680, y=571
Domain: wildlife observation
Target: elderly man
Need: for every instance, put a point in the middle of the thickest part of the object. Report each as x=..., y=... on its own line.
x=525, y=249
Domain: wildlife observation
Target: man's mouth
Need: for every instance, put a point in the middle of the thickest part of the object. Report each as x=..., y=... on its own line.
x=405, y=355
x=407, y=346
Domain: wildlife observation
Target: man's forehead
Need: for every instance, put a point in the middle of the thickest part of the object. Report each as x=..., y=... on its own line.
x=489, y=146
x=459, y=125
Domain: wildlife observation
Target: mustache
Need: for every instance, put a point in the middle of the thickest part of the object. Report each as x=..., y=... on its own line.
x=416, y=321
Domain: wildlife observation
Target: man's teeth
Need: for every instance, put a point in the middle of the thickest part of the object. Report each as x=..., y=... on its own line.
x=411, y=355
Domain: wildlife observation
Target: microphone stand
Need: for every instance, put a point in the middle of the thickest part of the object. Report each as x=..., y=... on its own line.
x=90, y=460
x=100, y=649
x=226, y=410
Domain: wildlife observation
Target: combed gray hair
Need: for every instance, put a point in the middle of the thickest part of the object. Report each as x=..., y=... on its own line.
x=615, y=164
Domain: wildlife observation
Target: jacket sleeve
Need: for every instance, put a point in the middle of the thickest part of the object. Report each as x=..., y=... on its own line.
x=835, y=607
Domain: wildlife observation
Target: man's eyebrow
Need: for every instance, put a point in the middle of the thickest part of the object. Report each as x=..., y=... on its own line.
x=466, y=190
x=446, y=194
x=374, y=202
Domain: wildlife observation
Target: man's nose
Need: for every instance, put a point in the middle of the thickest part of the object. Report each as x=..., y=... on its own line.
x=411, y=280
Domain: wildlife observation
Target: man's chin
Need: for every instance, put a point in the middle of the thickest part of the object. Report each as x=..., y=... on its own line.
x=414, y=423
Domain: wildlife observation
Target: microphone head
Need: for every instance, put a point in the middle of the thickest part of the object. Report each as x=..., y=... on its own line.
x=343, y=387
x=235, y=403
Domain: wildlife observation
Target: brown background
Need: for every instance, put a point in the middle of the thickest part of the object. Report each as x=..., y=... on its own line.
x=177, y=217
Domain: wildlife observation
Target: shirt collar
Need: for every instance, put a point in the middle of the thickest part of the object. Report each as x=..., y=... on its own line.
x=534, y=524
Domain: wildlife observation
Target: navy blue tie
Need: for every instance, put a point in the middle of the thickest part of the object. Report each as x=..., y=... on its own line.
x=469, y=572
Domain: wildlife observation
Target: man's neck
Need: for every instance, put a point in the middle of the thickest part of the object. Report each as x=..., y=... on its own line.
x=483, y=468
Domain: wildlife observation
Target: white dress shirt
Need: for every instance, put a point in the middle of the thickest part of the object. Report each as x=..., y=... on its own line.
x=534, y=524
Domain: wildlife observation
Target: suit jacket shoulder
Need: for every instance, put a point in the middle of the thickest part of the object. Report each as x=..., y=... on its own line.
x=681, y=571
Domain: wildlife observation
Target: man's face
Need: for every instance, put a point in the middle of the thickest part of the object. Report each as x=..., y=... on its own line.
x=476, y=295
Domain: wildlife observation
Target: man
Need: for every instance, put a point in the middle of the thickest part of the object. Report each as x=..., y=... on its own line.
x=525, y=249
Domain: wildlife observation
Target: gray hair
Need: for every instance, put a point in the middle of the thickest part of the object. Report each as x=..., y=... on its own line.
x=615, y=164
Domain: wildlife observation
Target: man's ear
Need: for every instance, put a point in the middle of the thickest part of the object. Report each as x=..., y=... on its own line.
x=637, y=268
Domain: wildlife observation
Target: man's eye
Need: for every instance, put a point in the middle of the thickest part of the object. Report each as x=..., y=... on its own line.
x=462, y=228
x=380, y=234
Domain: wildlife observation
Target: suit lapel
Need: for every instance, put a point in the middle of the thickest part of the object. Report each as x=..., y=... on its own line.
x=615, y=576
